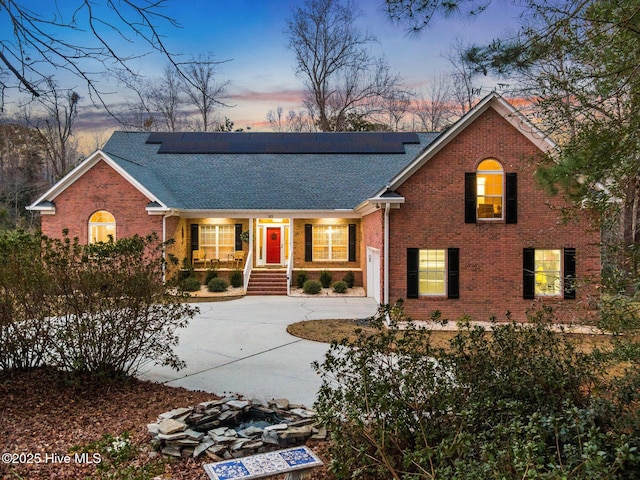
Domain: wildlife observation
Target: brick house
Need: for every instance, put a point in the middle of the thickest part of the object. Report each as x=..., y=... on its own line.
x=450, y=221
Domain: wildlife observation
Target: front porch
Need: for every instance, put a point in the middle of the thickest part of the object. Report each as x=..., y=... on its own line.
x=271, y=252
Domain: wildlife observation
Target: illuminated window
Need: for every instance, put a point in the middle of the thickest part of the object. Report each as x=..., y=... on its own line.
x=548, y=272
x=330, y=242
x=489, y=189
x=218, y=240
x=432, y=272
x=102, y=227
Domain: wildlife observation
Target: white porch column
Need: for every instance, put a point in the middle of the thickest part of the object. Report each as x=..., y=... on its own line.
x=251, y=252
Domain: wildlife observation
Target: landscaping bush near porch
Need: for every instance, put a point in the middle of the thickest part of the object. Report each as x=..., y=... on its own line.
x=100, y=308
x=518, y=402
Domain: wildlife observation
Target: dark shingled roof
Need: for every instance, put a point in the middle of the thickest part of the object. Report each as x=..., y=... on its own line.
x=264, y=171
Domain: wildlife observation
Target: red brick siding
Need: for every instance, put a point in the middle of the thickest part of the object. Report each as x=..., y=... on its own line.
x=298, y=244
x=101, y=188
x=373, y=233
x=490, y=253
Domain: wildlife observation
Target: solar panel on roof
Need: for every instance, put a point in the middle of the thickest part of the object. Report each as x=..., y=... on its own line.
x=299, y=143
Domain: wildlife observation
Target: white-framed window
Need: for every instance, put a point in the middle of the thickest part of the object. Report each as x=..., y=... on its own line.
x=548, y=272
x=331, y=243
x=432, y=272
x=218, y=241
x=102, y=227
x=489, y=189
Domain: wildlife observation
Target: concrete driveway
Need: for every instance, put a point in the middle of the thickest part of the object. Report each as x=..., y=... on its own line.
x=242, y=346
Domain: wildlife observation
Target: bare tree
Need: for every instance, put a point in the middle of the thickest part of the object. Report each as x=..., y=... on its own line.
x=276, y=121
x=98, y=139
x=204, y=89
x=397, y=108
x=160, y=104
x=294, y=121
x=433, y=109
x=166, y=99
x=466, y=90
x=53, y=116
x=76, y=37
x=332, y=56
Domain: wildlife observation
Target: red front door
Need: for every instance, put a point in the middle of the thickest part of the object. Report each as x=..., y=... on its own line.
x=273, y=245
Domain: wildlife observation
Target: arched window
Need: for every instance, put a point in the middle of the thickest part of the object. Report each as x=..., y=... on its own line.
x=102, y=227
x=489, y=189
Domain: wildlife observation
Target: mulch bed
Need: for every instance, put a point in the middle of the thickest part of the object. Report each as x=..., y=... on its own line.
x=48, y=413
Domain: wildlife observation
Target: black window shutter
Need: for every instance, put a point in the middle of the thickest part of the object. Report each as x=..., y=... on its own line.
x=470, y=197
x=453, y=273
x=238, y=236
x=308, y=242
x=352, y=242
x=511, y=198
x=569, y=273
x=528, y=273
x=195, y=237
x=413, y=266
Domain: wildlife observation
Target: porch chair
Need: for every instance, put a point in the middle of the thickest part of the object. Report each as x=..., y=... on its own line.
x=238, y=258
x=197, y=257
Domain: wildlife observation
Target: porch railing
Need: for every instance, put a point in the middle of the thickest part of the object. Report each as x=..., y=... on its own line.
x=247, y=270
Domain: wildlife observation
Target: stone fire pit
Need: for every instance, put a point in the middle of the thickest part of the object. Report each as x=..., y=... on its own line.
x=233, y=427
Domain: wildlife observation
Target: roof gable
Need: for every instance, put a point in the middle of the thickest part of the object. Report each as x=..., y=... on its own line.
x=494, y=101
x=46, y=202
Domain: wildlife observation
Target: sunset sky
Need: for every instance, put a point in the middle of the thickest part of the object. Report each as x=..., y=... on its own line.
x=248, y=36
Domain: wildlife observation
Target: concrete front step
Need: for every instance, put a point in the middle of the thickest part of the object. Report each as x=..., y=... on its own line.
x=267, y=283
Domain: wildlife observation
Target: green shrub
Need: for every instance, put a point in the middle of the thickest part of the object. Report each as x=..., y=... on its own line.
x=190, y=284
x=211, y=274
x=340, y=287
x=26, y=302
x=516, y=402
x=325, y=278
x=186, y=271
x=218, y=285
x=117, y=315
x=236, y=278
x=349, y=278
x=101, y=309
x=301, y=278
x=312, y=287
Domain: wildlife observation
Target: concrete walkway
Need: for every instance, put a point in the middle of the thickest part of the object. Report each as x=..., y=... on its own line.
x=242, y=346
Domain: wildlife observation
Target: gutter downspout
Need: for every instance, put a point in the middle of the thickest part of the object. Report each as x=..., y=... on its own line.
x=164, y=239
x=170, y=213
x=385, y=294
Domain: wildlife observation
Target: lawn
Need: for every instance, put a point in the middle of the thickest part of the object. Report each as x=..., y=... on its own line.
x=335, y=330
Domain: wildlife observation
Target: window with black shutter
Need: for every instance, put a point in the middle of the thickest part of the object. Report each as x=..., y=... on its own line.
x=308, y=242
x=195, y=237
x=453, y=273
x=549, y=273
x=238, y=236
x=413, y=269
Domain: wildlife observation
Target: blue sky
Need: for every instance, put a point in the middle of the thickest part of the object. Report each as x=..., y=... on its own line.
x=248, y=35
x=261, y=69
